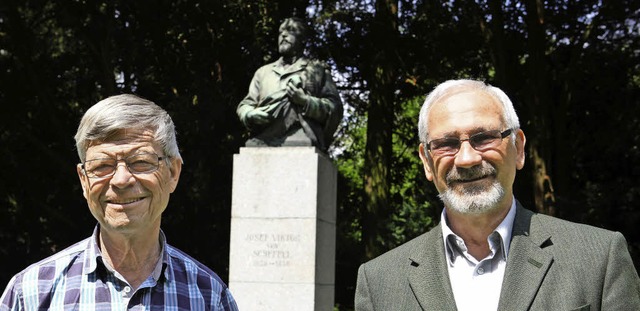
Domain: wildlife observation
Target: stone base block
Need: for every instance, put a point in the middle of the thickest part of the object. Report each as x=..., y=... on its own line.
x=283, y=226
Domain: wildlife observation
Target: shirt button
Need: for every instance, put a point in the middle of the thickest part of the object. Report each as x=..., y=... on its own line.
x=480, y=271
x=127, y=289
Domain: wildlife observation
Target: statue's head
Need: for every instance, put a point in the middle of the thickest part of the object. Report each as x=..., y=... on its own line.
x=292, y=35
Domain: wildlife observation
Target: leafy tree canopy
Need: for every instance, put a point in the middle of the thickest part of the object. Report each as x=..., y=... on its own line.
x=570, y=67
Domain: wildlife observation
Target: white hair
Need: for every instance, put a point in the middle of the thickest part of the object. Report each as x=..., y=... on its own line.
x=455, y=86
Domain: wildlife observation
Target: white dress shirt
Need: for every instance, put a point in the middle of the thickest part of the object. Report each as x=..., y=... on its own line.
x=476, y=284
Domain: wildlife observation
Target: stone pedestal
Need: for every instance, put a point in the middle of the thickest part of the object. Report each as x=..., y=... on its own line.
x=283, y=227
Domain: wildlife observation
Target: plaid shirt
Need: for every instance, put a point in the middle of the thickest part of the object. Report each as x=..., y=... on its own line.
x=77, y=279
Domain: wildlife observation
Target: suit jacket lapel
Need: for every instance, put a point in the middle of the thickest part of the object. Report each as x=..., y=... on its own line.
x=428, y=276
x=527, y=262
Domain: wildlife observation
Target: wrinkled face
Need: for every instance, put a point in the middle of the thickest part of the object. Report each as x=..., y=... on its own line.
x=127, y=203
x=290, y=39
x=472, y=181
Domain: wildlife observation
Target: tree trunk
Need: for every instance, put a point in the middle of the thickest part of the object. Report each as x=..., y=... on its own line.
x=380, y=117
x=540, y=106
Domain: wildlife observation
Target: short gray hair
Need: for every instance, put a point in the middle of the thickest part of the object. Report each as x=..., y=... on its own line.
x=454, y=86
x=122, y=112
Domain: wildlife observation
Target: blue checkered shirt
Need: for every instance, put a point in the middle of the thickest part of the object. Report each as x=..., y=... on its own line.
x=77, y=279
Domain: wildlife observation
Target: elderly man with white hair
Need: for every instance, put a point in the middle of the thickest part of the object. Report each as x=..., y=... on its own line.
x=489, y=252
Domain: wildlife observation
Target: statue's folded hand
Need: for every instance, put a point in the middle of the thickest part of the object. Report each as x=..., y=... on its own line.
x=258, y=117
x=296, y=94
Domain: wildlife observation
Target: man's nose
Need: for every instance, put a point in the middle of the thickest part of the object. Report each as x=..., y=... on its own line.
x=467, y=156
x=122, y=176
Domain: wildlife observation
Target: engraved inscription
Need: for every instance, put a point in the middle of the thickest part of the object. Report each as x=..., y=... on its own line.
x=272, y=249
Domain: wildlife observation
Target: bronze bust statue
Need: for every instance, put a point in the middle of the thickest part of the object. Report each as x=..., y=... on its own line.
x=292, y=101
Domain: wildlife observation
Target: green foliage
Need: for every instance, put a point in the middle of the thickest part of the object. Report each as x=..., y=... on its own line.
x=576, y=88
x=411, y=212
x=410, y=190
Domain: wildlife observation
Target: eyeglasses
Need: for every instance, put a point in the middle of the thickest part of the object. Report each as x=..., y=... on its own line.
x=480, y=141
x=139, y=163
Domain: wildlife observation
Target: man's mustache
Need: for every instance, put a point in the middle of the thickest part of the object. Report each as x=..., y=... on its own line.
x=457, y=174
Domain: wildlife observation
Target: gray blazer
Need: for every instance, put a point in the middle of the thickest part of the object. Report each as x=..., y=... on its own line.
x=552, y=265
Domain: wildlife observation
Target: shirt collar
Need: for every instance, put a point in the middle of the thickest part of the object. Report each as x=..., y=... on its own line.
x=93, y=252
x=298, y=65
x=504, y=230
x=162, y=264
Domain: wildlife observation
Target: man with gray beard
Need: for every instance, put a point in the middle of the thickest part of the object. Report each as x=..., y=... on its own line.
x=488, y=252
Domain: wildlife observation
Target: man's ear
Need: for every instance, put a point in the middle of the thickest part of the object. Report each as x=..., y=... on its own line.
x=521, y=140
x=426, y=161
x=84, y=180
x=174, y=170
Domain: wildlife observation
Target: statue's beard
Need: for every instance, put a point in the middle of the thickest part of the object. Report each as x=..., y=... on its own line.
x=475, y=198
x=285, y=48
x=289, y=49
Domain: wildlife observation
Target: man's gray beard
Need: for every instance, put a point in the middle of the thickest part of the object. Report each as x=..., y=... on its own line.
x=473, y=200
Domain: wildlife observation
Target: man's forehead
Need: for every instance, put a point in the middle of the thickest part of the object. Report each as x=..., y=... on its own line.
x=466, y=108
